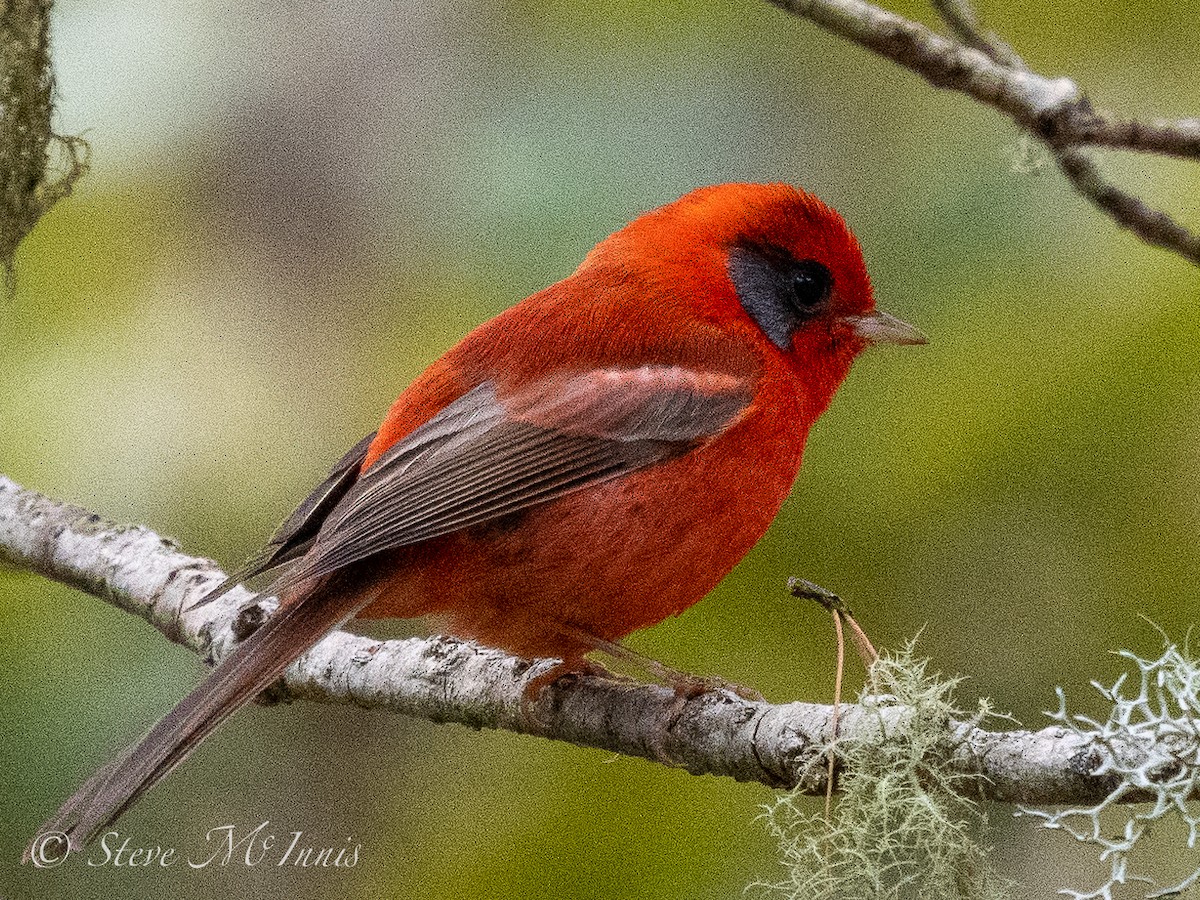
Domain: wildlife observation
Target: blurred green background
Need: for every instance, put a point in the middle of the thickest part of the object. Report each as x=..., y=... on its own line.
x=294, y=208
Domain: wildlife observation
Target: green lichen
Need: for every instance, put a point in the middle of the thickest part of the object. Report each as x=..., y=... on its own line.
x=902, y=826
x=37, y=166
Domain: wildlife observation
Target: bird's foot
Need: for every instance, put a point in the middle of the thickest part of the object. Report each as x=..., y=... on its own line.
x=683, y=683
x=565, y=672
x=688, y=686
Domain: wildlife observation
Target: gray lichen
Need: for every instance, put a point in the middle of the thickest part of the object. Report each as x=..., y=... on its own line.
x=1161, y=721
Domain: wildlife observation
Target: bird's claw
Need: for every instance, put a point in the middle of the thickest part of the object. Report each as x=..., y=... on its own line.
x=688, y=686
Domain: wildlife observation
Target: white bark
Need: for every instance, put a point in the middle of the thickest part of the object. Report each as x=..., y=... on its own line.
x=448, y=680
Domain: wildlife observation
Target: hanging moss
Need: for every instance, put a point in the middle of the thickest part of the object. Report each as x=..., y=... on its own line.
x=37, y=166
x=902, y=827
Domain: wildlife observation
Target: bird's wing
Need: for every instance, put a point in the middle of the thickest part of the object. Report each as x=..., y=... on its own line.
x=295, y=536
x=482, y=457
x=486, y=456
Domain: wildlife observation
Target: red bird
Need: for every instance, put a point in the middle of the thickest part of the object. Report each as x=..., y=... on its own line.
x=587, y=463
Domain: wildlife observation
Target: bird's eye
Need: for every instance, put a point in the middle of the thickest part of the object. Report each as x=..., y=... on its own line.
x=778, y=291
x=811, y=282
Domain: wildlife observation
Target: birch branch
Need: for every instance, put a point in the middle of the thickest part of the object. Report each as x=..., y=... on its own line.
x=448, y=680
x=1054, y=110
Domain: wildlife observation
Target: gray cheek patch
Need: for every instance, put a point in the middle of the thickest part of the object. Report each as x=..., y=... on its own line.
x=763, y=278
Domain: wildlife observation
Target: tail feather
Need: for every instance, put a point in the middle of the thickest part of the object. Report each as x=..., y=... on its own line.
x=252, y=667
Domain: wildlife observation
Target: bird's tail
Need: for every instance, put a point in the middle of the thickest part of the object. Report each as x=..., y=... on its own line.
x=253, y=666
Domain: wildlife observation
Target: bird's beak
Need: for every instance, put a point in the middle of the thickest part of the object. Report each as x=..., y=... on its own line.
x=881, y=328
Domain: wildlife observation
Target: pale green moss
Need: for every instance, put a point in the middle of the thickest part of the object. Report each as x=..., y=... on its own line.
x=900, y=827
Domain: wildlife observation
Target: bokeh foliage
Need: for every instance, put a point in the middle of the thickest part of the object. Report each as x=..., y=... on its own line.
x=293, y=211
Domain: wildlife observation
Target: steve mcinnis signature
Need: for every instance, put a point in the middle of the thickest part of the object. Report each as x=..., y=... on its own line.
x=223, y=846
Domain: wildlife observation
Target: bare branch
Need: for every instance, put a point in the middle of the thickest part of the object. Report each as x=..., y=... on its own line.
x=447, y=680
x=1170, y=137
x=944, y=63
x=962, y=20
x=983, y=67
x=1151, y=225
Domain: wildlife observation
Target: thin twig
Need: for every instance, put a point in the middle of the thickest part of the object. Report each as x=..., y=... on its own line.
x=837, y=703
x=1053, y=110
x=836, y=606
x=964, y=22
x=1168, y=137
x=1151, y=225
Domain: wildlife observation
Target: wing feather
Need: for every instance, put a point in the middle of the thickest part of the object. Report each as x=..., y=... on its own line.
x=296, y=536
x=486, y=456
x=481, y=458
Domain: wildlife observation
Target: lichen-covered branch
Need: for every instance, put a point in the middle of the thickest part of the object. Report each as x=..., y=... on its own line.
x=448, y=680
x=29, y=186
x=1054, y=110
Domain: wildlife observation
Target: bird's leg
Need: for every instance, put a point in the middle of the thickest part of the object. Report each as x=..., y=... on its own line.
x=684, y=684
x=561, y=670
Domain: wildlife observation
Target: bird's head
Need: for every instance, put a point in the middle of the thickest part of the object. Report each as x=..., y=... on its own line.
x=775, y=258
